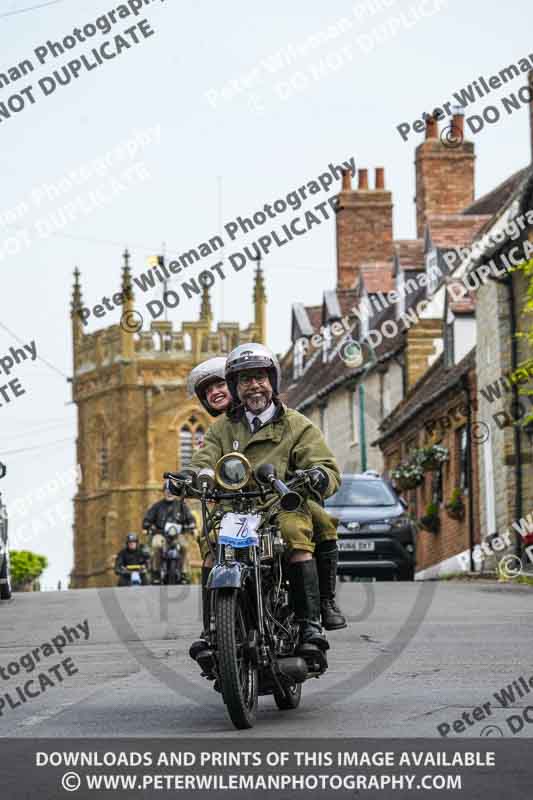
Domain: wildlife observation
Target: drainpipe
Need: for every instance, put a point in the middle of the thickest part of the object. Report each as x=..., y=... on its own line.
x=515, y=407
x=466, y=388
x=362, y=429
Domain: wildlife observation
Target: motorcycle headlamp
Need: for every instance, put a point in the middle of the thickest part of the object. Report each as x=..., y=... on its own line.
x=233, y=471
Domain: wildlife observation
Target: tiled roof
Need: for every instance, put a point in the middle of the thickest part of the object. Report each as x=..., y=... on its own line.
x=410, y=253
x=493, y=201
x=427, y=390
x=454, y=230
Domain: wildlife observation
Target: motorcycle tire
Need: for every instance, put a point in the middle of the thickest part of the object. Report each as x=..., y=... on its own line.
x=238, y=676
x=289, y=698
x=173, y=574
x=5, y=588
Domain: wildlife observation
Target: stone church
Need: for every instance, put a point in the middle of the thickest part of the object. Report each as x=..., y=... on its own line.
x=135, y=420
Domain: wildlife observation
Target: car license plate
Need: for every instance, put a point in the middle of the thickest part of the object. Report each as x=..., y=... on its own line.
x=354, y=544
x=239, y=530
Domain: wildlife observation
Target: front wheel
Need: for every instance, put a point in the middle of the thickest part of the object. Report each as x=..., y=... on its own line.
x=238, y=675
x=289, y=698
x=173, y=574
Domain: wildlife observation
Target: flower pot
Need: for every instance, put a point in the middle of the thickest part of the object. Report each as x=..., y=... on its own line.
x=431, y=465
x=431, y=524
x=409, y=483
x=457, y=513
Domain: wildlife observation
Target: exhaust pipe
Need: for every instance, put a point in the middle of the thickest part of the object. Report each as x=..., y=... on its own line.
x=294, y=667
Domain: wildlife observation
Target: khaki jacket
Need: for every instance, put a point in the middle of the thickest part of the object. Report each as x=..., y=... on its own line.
x=289, y=441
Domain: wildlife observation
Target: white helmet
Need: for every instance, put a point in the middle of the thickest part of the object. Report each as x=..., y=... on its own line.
x=202, y=375
x=251, y=355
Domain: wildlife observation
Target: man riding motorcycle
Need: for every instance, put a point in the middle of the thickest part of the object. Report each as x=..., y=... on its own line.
x=169, y=509
x=208, y=382
x=262, y=428
x=131, y=555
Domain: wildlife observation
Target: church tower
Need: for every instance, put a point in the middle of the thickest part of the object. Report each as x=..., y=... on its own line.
x=135, y=420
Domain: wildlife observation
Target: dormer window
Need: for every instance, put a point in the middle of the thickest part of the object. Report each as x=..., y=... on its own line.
x=400, y=290
x=365, y=316
x=432, y=271
x=298, y=359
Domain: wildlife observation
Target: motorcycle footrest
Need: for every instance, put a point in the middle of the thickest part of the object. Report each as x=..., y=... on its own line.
x=314, y=657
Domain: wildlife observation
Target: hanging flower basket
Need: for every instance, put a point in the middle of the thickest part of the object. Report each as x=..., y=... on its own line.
x=408, y=476
x=431, y=521
x=431, y=458
x=455, y=508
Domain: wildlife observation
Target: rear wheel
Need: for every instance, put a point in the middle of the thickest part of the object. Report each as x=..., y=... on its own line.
x=289, y=698
x=238, y=676
x=5, y=586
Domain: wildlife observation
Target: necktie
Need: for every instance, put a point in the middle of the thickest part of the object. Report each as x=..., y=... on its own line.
x=256, y=424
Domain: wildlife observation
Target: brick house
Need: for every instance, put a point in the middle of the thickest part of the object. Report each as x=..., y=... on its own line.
x=441, y=408
x=387, y=280
x=506, y=458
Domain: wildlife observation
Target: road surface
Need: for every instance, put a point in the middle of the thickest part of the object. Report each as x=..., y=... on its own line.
x=415, y=656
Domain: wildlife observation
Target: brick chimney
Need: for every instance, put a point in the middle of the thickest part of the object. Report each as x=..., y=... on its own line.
x=444, y=167
x=364, y=226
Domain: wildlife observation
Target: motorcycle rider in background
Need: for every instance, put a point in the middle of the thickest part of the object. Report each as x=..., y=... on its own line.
x=252, y=375
x=169, y=509
x=131, y=555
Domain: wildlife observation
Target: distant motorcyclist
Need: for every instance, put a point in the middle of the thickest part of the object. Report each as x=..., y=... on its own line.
x=208, y=382
x=131, y=555
x=262, y=428
x=169, y=509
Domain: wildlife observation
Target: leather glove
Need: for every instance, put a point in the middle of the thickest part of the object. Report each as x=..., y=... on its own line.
x=319, y=480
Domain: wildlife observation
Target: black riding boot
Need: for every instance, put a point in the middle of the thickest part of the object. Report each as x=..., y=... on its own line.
x=303, y=580
x=326, y=557
x=202, y=644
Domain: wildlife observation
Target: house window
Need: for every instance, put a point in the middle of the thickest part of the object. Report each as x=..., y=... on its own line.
x=464, y=455
x=400, y=290
x=436, y=486
x=433, y=272
x=298, y=359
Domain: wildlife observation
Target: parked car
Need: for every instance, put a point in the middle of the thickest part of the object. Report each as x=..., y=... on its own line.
x=5, y=579
x=376, y=537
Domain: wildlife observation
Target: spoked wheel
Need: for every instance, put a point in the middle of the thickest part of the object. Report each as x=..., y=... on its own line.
x=289, y=698
x=238, y=676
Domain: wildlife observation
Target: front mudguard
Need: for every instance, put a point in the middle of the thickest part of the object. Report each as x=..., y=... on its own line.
x=228, y=576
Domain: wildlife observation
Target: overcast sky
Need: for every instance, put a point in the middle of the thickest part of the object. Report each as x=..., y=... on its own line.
x=221, y=150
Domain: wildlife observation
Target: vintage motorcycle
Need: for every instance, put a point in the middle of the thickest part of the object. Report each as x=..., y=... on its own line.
x=134, y=573
x=171, y=557
x=253, y=635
